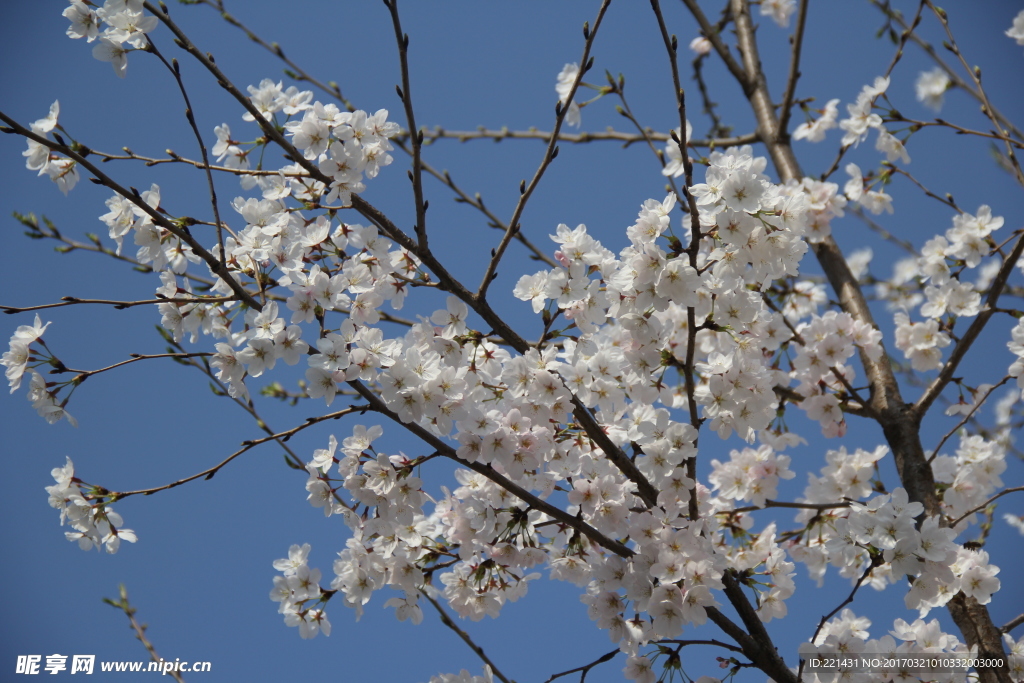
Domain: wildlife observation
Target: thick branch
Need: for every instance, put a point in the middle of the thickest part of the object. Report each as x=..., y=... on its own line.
x=900, y=423
x=757, y=645
x=711, y=33
x=378, y=405
x=1012, y=624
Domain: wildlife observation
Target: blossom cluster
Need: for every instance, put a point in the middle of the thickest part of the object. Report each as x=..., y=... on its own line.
x=563, y=86
x=1016, y=346
x=848, y=634
x=61, y=170
x=706, y=318
x=751, y=474
x=119, y=25
x=346, y=146
x=861, y=120
x=946, y=294
x=23, y=357
x=972, y=475
x=881, y=537
x=298, y=591
x=829, y=341
x=464, y=677
x=753, y=235
x=94, y=522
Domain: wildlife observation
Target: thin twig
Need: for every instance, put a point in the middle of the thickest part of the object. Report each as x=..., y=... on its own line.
x=794, y=67
x=646, y=134
x=180, y=232
x=896, y=57
x=716, y=643
x=972, y=333
x=712, y=34
x=82, y=375
x=175, y=70
x=585, y=669
x=985, y=504
x=416, y=140
x=844, y=603
x=946, y=201
x=477, y=203
x=247, y=445
x=978, y=403
x=550, y=152
x=333, y=90
x=627, y=111
x=175, y=158
x=291, y=459
x=572, y=521
x=298, y=73
x=959, y=82
x=960, y=130
x=479, y=651
x=692, y=250
x=119, y=305
x=882, y=232
x=786, y=504
x=986, y=107
x=140, y=630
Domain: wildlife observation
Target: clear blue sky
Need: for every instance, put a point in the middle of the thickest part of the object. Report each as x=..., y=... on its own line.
x=201, y=571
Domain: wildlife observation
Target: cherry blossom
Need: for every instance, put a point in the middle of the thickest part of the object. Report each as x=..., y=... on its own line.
x=575, y=456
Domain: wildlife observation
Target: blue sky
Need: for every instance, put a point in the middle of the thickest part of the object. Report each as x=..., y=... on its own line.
x=201, y=571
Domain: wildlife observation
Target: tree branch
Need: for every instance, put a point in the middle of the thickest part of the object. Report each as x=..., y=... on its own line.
x=140, y=630
x=136, y=199
x=978, y=403
x=692, y=251
x=972, y=333
x=405, y=94
x=378, y=405
x=119, y=305
x=175, y=70
x=246, y=446
x=709, y=31
x=794, y=68
x=439, y=133
x=550, y=152
x=900, y=423
x=1012, y=623
x=585, y=669
x=959, y=82
x=985, y=504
